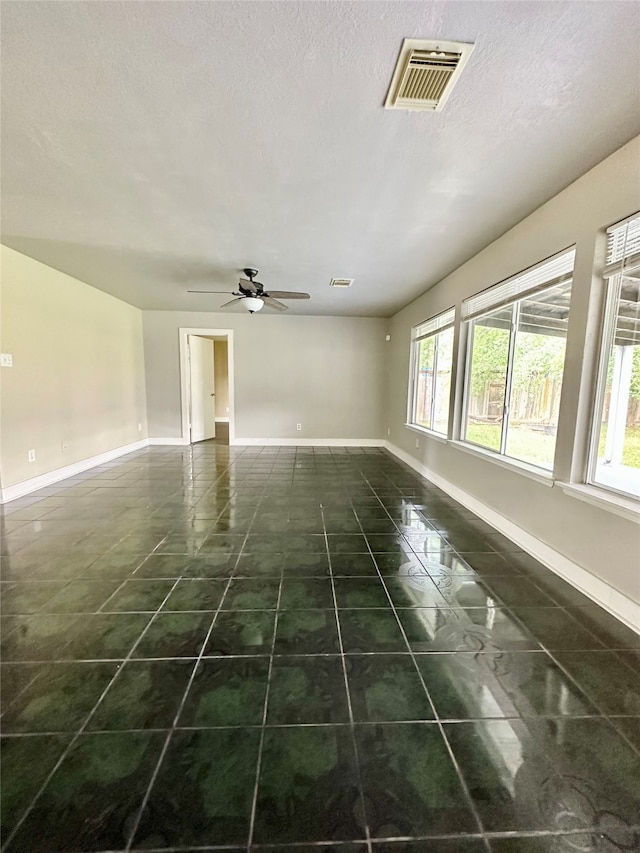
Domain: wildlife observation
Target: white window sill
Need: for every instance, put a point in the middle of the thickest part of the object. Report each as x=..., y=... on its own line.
x=429, y=433
x=617, y=504
x=537, y=474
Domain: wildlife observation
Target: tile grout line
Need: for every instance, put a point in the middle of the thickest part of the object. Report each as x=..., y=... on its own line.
x=435, y=653
x=19, y=694
x=254, y=798
x=363, y=807
x=366, y=723
x=452, y=607
x=263, y=725
x=273, y=848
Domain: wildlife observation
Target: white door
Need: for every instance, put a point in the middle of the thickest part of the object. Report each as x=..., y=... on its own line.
x=202, y=388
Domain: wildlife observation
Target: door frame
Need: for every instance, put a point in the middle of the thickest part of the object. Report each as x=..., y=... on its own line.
x=185, y=385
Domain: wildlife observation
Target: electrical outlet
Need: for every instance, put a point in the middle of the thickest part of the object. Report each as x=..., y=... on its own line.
x=387, y=337
x=31, y=456
x=298, y=426
x=388, y=430
x=139, y=427
x=227, y=410
x=417, y=442
x=6, y=359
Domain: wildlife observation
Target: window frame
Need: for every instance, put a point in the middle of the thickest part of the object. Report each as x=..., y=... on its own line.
x=612, y=283
x=466, y=387
x=468, y=328
x=449, y=319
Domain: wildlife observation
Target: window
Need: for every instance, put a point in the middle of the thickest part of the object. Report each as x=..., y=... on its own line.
x=615, y=446
x=515, y=360
x=431, y=373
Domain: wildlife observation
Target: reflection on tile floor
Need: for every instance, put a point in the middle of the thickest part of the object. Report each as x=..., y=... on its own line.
x=298, y=650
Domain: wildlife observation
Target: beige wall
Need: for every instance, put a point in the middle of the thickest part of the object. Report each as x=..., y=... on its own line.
x=221, y=378
x=603, y=543
x=322, y=372
x=78, y=370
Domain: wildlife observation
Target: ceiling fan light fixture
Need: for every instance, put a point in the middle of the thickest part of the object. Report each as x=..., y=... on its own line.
x=254, y=295
x=253, y=304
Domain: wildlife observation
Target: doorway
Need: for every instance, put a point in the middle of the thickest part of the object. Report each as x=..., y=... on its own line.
x=206, y=380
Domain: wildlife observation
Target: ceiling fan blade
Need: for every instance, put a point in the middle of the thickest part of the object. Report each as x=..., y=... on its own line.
x=273, y=303
x=288, y=294
x=209, y=291
x=231, y=301
x=246, y=284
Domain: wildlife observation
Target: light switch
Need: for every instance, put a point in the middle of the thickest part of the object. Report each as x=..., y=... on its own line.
x=6, y=359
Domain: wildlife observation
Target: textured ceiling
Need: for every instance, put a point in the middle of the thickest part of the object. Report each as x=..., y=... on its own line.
x=150, y=147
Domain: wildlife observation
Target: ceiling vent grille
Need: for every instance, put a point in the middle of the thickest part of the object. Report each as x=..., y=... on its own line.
x=425, y=74
x=341, y=282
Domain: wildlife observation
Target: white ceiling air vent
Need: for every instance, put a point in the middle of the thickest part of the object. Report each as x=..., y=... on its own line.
x=341, y=282
x=425, y=74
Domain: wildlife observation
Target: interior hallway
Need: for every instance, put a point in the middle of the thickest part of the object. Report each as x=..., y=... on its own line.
x=262, y=646
x=221, y=439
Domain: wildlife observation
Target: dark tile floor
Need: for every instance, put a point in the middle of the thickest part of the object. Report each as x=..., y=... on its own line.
x=301, y=650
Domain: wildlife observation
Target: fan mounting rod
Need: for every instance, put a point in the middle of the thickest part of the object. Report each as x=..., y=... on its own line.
x=250, y=273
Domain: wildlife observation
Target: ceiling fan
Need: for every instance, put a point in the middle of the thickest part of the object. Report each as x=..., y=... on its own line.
x=253, y=295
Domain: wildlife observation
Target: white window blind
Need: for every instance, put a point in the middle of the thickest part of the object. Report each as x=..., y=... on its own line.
x=553, y=271
x=435, y=324
x=623, y=247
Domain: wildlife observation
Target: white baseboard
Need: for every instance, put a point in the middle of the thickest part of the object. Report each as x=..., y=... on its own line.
x=309, y=442
x=19, y=490
x=611, y=599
